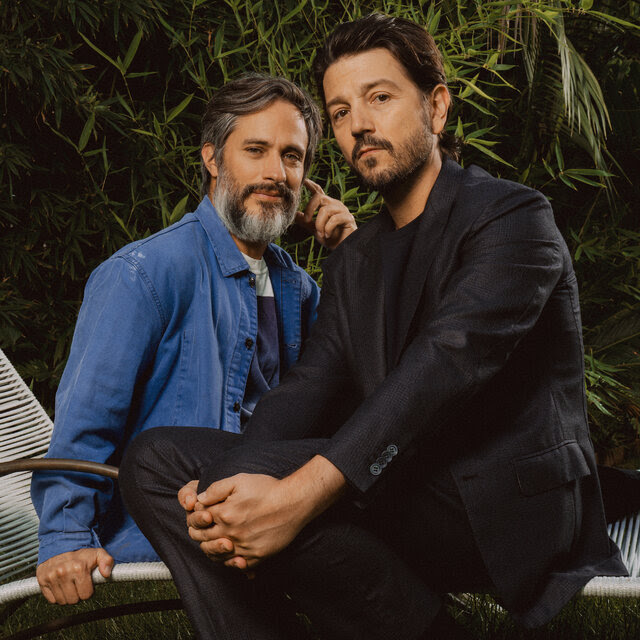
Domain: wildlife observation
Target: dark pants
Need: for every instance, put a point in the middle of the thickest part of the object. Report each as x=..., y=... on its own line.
x=356, y=573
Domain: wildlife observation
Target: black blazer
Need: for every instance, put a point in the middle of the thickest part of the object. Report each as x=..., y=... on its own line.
x=489, y=380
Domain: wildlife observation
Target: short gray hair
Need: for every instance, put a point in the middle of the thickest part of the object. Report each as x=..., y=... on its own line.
x=249, y=94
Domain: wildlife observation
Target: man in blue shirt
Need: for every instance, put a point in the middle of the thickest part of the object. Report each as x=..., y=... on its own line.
x=187, y=327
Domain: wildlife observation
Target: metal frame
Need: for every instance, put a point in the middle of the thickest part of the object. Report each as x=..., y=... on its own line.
x=25, y=432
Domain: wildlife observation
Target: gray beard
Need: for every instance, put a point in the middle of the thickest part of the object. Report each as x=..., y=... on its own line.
x=272, y=221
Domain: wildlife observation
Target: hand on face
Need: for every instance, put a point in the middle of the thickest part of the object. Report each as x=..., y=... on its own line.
x=333, y=222
x=66, y=578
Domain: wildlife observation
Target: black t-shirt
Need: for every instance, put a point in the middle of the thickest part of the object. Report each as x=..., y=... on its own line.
x=396, y=247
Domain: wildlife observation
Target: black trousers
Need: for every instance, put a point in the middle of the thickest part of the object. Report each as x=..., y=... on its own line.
x=376, y=572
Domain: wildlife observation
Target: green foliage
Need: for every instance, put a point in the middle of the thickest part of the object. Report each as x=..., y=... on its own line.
x=100, y=125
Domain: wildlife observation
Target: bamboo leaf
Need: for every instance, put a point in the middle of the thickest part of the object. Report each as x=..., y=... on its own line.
x=488, y=152
x=293, y=12
x=177, y=110
x=131, y=51
x=144, y=133
x=86, y=132
x=611, y=18
x=109, y=59
x=178, y=210
x=472, y=87
x=591, y=183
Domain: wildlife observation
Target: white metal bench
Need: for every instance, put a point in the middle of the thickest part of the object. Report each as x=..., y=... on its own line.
x=25, y=432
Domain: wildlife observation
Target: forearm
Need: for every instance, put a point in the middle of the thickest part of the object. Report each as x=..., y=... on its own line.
x=313, y=488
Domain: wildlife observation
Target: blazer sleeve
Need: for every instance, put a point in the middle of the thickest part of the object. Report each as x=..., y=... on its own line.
x=511, y=260
x=314, y=397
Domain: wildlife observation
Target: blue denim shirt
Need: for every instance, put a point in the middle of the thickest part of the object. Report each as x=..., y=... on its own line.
x=161, y=339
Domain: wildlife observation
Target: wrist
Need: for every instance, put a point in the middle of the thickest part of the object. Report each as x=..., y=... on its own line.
x=314, y=488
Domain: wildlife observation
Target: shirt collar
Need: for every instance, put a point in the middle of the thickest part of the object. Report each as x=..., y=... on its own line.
x=229, y=256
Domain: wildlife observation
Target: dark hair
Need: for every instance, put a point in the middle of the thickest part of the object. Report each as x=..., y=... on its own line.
x=248, y=94
x=408, y=42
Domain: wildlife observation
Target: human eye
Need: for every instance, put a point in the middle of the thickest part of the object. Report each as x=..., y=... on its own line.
x=292, y=157
x=253, y=150
x=339, y=114
x=381, y=97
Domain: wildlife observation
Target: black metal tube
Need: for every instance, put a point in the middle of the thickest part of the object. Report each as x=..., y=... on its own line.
x=58, y=464
x=92, y=616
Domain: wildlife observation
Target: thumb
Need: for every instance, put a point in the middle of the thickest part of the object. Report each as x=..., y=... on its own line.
x=105, y=563
x=216, y=492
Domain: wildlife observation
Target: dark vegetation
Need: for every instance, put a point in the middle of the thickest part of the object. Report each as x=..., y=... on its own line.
x=100, y=106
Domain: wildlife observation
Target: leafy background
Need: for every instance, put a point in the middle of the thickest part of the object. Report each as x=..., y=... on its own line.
x=100, y=107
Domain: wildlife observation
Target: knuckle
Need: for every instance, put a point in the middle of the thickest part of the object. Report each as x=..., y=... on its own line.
x=60, y=572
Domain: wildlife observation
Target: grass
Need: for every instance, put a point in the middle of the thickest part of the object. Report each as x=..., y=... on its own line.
x=582, y=619
x=164, y=625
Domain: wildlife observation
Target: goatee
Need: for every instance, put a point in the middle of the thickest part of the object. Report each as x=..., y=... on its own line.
x=407, y=160
x=273, y=219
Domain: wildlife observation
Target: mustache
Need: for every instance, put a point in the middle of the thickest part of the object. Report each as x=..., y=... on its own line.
x=273, y=188
x=368, y=140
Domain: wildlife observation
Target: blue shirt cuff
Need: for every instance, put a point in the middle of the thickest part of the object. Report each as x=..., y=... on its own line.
x=54, y=545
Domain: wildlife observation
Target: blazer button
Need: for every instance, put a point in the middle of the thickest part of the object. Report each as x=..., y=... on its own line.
x=248, y=343
x=375, y=469
x=236, y=406
x=392, y=449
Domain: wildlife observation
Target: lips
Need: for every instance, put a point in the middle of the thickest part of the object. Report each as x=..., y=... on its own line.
x=368, y=150
x=268, y=194
x=367, y=144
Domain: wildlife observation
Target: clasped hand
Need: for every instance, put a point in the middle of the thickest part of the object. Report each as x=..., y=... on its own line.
x=242, y=519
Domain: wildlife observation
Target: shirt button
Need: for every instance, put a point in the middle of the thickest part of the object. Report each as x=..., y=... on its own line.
x=375, y=469
x=252, y=282
x=236, y=406
x=248, y=343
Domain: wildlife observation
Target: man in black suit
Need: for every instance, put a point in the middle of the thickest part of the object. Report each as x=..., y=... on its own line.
x=433, y=436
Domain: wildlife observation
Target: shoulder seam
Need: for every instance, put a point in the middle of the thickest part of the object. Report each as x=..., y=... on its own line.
x=149, y=285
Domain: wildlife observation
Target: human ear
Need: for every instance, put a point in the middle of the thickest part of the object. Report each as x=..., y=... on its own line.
x=439, y=102
x=208, y=153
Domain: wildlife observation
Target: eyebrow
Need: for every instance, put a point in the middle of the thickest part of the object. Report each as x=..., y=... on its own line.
x=266, y=143
x=363, y=89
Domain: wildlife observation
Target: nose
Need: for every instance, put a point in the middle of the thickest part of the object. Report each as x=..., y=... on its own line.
x=273, y=168
x=361, y=121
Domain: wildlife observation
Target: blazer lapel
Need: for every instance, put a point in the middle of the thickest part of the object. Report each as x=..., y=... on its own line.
x=432, y=224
